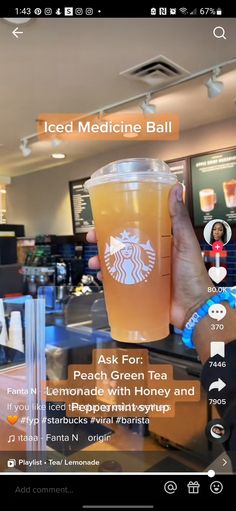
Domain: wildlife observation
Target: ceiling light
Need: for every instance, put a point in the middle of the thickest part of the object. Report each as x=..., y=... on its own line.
x=58, y=156
x=26, y=151
x=147, y=107
x=130, y=135
x=3, y=190
x=17, y=21
x=214, y=87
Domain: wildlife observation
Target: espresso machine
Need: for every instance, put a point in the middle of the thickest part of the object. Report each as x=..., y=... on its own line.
x=52, y=269
x=36, y=277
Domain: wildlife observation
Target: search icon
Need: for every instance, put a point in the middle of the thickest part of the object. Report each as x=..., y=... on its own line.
x=219, y=33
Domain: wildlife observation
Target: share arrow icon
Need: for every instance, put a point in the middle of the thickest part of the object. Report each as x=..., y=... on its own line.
x=218, y=384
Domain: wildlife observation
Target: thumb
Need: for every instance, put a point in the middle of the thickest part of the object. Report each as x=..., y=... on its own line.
x=183, y=233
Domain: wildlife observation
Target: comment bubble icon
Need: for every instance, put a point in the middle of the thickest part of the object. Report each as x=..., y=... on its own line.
x=217, y=311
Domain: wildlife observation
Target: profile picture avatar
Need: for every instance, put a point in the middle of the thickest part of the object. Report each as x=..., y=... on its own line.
x=217, y=431
x=217, y=230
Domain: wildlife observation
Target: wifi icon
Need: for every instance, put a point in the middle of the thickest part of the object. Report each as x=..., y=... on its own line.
x=183, y=10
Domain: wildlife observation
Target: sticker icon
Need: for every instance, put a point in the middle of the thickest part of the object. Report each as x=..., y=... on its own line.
x=128, y=260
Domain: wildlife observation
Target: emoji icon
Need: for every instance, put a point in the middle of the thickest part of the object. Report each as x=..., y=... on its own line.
x=12, y=419
x=216, y=487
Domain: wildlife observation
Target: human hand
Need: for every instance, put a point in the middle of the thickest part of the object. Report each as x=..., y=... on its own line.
x=190, y=280
x=94, y=263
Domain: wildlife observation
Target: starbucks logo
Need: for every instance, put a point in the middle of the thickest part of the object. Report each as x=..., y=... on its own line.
x=127, y=259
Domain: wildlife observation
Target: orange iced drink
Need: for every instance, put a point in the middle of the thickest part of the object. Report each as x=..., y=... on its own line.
x=230, y=193
x=133, y=228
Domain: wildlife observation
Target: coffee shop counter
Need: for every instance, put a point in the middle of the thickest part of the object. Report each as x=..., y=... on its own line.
x=74, y=345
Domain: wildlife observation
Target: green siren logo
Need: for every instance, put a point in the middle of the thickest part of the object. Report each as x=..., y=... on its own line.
x=127, y=260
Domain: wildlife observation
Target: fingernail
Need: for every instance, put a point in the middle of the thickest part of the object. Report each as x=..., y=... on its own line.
x=179, y=194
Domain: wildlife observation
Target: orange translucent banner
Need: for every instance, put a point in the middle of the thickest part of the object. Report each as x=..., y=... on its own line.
x=116, y=126
x=119, y=383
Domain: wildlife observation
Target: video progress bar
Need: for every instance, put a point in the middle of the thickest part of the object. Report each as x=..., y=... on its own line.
x=118, y=507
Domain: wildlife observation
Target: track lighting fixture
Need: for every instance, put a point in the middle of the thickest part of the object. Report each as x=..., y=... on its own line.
x=214, y=86
x=26, y=151
x=147, y=107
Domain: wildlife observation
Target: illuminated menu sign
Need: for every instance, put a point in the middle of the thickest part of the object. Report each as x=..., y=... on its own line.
x=214, y=187
x=81, y=207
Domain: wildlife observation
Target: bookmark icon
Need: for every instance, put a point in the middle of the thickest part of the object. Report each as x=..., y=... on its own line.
x=218, y=348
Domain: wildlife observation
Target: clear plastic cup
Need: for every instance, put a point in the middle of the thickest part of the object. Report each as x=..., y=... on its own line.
x=15, y=320
x=15, y=332
x=129, y=200
x=207, y=199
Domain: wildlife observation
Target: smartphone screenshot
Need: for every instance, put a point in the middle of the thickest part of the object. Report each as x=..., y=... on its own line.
x=117, y=254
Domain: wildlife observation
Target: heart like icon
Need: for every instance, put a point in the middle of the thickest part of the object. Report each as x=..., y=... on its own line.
x=217, y=274
x=12, y=419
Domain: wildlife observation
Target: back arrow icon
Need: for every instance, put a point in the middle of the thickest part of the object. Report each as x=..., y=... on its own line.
x=218, y=384
x=16, y=32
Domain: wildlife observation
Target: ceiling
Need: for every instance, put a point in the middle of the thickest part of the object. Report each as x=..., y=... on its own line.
x=74, y=65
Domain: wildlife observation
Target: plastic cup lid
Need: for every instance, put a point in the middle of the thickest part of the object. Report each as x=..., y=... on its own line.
x=133, y=169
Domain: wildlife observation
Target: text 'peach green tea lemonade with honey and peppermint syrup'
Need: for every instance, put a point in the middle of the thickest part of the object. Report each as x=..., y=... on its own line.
x=129, y=201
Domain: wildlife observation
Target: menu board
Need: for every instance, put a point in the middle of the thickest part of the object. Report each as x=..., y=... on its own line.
x=179, y=168
x=214, y=187
x=81, y=207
